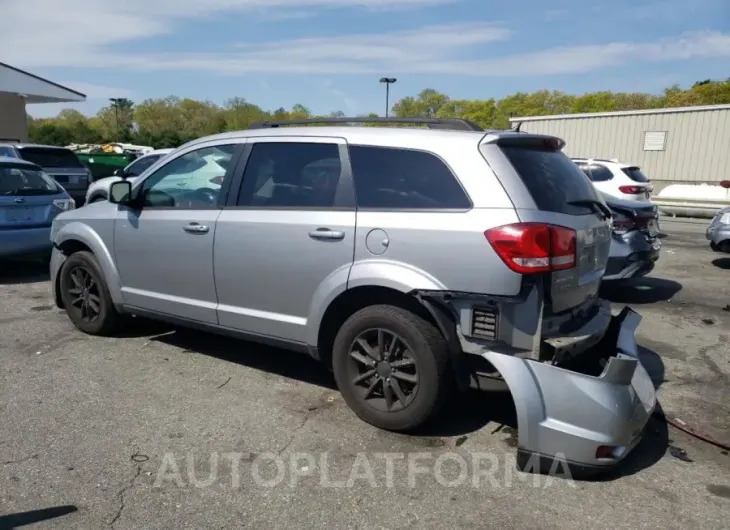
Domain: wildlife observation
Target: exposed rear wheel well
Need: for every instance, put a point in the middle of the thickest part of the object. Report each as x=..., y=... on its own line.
x=352, y=301
x=68, y=247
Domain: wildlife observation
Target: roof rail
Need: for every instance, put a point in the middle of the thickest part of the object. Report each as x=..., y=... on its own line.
x=456, y=124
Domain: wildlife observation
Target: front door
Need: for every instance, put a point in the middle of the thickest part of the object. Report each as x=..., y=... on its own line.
x=164, y=249
x=288, y=238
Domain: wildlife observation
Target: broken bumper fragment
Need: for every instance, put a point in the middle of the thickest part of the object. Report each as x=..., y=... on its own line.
x=586, y=418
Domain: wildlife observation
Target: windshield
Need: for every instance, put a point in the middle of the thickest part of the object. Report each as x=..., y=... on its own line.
x=22, y=180
x=635, y=174
x=51, y=157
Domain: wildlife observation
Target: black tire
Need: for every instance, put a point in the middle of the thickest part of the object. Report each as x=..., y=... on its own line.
x=84, y=264
x=426, y=347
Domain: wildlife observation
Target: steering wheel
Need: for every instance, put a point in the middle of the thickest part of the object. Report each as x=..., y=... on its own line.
x=208, y=196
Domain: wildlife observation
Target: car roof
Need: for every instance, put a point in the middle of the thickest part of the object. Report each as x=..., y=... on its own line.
x=18, y=162
x=603, y=161
x=357, y=133
x=164, y=151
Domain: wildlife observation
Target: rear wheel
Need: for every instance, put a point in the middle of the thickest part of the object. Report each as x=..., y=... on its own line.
x=86, y=296
x=392, y=367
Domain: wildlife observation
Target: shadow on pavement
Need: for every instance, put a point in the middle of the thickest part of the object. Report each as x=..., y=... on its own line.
x=16, y=520
x=25, y=271
x=722, y=263
x=268, y=359
x=640, y=290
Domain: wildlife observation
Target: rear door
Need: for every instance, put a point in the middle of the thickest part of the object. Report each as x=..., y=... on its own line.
x=287, y=235
x=555, y=191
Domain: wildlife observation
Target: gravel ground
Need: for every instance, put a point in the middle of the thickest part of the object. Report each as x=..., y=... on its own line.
x=179, y=429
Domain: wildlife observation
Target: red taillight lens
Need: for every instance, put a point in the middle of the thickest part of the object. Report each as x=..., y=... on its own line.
x=624, y=225
x=216, y=180
x=530, y=248
x=632, y=190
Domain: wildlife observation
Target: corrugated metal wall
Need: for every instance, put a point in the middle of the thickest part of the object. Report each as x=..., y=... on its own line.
x=697, y=143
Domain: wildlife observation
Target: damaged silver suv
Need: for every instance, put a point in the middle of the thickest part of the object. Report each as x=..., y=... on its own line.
x=406, y=259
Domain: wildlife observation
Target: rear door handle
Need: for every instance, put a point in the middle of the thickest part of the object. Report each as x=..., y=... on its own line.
x=196, y=228
x=327, y=234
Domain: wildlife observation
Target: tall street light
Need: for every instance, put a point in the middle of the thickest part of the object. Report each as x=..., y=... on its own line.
x=115, y=104
x=388, y=81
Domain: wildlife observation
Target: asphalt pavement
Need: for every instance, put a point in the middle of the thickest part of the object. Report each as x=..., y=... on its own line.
x=165, y=428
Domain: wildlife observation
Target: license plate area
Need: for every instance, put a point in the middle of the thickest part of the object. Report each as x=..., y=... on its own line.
x=18, y=214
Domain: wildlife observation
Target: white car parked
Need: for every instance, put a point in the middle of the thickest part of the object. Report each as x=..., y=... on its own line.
x=191, y=171
x=99, y=189
x=623, y=181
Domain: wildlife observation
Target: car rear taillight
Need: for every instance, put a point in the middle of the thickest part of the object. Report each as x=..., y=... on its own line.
x=216, y=180
x=531, y=248
x=632, y=190
x=621, y=226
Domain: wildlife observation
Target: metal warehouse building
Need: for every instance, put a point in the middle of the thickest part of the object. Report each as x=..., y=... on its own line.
x=678, y=145
x=18, y=88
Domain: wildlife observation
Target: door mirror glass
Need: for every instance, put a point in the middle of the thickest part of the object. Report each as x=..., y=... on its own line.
x=120, y=192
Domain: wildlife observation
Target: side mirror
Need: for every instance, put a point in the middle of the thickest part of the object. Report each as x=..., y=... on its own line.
x=118, y=172
x=120, y=192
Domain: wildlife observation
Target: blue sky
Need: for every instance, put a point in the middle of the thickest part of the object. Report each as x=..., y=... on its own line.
x=329, y=54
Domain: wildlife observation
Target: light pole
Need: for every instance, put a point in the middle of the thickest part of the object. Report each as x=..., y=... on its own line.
x=388, y=81
x=115, y=104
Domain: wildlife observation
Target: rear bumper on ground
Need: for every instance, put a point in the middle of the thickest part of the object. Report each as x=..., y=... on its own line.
x=588, y=413
x=25, y=242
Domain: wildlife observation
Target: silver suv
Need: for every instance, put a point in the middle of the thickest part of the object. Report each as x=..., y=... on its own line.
x=405, y=259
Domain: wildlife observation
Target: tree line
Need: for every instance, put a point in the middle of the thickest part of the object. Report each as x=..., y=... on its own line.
x=172, y=121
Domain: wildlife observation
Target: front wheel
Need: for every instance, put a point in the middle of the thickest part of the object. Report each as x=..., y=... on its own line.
x=86, y=296
x=392, y=367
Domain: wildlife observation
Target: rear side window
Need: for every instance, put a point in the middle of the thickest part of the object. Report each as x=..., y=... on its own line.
x=50, y=157
x=552, y=179
x=291, y=175
x=138, y=167
x=635, y=174
x=597, y=172
x=403, y=179
x=6, y=151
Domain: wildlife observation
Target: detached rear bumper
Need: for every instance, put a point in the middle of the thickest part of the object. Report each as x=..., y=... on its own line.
x=589, y=418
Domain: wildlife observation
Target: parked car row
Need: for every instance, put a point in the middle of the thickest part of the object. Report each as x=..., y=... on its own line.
x=408, y=261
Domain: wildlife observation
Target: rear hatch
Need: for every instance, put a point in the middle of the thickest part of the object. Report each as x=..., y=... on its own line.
x=28, y=199
x=60, y=163
x=556, y=194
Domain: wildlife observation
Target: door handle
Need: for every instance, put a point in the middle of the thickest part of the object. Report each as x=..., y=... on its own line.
x=195, y=228
x=327, y=234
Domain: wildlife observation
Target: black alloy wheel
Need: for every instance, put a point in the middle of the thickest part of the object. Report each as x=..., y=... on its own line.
x=383, y=369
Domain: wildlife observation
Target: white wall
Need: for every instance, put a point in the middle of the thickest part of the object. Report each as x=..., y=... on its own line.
x=13, y=119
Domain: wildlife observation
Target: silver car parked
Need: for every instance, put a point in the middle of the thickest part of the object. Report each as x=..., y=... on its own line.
x=718, y=231
x=405, y=259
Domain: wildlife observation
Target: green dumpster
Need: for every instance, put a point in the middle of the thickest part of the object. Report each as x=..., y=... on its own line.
x=104, y=164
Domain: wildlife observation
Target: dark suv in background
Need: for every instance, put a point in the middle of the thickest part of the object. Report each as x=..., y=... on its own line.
x=60, y=163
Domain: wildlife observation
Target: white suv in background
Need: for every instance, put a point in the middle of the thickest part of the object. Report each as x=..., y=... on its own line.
x=614, y=178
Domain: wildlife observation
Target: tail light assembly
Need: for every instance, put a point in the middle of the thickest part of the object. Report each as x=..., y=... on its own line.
x=632, y=190
x=216, y=180
x=534, y=248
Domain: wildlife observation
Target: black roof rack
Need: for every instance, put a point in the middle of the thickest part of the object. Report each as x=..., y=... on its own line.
x=454, y=124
